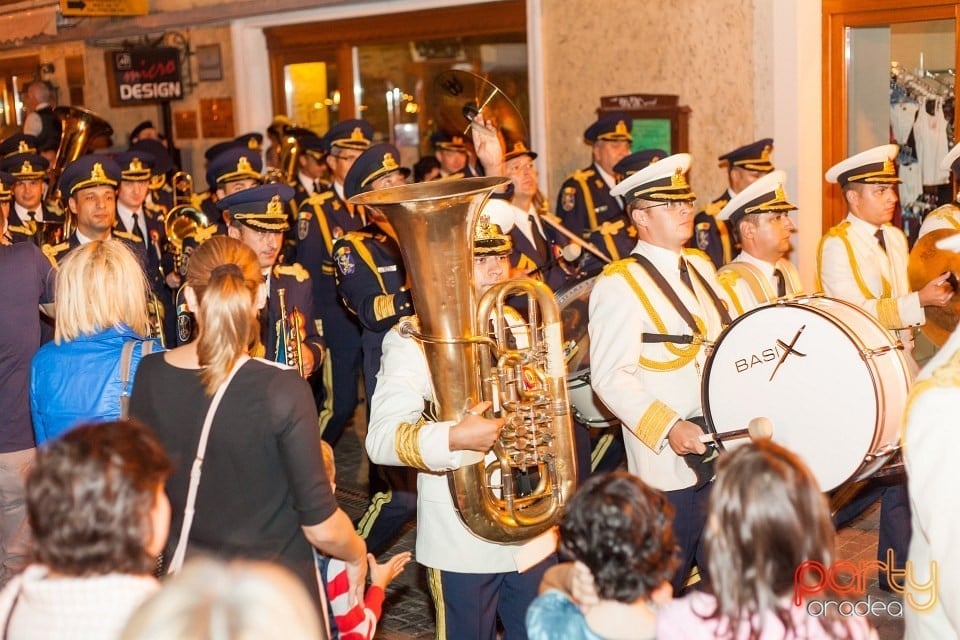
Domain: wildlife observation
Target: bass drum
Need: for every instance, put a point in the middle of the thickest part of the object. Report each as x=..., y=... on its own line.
x=829, y=377
x=574, y=303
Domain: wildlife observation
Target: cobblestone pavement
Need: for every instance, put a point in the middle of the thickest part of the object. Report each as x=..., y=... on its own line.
x=408, y=610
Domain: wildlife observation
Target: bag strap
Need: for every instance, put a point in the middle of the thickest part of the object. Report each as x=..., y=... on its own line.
x=178, y=555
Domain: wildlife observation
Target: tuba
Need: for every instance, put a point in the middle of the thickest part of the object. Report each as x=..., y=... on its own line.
x=435, y=222
x=79, y=128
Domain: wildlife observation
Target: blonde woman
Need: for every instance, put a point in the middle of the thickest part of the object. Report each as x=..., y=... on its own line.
x=212, y=600
x=263, y=493
x=101, y=304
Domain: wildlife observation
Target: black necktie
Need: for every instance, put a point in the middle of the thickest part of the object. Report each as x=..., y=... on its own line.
x=538, y=242
x=685, y=275
x=781, y=283
x=136, y=226
x=879, y=236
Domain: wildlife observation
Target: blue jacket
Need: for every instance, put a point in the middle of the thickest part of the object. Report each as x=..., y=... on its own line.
x=79, y=381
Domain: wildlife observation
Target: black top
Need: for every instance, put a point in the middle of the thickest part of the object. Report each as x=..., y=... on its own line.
x=263, y=474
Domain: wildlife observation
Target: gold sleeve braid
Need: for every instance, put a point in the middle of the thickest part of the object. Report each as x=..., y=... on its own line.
x=383, y=307
x=888, y=313
x=407, y=444
x=654, y=422
x=685, y=354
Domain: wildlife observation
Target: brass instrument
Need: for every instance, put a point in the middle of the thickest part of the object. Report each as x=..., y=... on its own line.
x=435, y=222
x=926, y=263
x=80, y=127
x=294, y=359
x=156, y=319
x=185, y=222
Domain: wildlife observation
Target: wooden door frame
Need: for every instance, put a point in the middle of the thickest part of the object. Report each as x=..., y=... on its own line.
x=334, y=40
x=837, y=16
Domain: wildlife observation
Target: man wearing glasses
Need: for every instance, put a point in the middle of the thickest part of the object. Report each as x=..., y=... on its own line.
x=759, y=219
x=323, y=217
x=652, y=316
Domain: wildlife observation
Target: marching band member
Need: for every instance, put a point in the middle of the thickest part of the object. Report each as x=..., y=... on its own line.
x=90, y=186
x=258, y=218
x=863, y=260
x=758, y=218
x=371, y=279
x=29, y=215
x=585, y=202
x=650, y=316
x=323, y=218
x=472, y=581
x=744, y=165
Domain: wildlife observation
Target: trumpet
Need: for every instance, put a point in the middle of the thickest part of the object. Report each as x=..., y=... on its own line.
x=294, y=359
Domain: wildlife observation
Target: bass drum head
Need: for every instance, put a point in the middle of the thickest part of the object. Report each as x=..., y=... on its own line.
x=574, y=303
x=800, y=365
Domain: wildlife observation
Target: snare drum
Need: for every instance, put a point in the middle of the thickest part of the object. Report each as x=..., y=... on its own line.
x=574, y=303
x=830, y=378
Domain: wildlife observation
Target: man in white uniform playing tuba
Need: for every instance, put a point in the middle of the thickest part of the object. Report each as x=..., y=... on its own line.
x=472, y=581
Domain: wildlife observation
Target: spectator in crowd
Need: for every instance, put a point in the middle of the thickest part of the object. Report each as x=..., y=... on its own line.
x=101, y=308
x=99, y=518
x=263, y=494
x=214, y=600
x=620, y=531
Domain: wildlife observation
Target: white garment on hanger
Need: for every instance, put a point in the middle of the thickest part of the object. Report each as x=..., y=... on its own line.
x=911, y=186
x=930, y=134
x=902, y=116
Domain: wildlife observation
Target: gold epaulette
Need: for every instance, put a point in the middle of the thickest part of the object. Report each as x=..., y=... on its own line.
x=697, y=253
x=617, y=266
x=205, y=233
x=54, y=250
x=126, y=235
x=296, y=270
x=582, y=175
x=27, y=231
x=317, y=198
x=196, y=199
x=158, y=208
x=713, y=208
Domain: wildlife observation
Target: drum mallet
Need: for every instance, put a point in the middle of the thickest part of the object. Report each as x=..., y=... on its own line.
x=759, y=428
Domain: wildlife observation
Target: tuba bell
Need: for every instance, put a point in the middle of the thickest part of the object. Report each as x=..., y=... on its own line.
x=79, y=128
x=435, y=223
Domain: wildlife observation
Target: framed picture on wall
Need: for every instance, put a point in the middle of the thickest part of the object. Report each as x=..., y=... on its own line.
x=209, y=64
x=659, y=121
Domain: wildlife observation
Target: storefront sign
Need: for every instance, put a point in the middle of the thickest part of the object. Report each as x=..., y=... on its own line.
x=146, y=75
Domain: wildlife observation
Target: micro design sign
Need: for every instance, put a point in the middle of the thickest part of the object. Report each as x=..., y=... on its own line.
x=147, y=75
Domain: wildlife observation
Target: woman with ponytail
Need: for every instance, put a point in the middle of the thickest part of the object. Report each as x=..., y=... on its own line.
x=263, y=493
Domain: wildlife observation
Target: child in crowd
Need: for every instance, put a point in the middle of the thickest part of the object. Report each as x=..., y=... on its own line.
x=619, y=531
x=358, y=622
x=766, y=516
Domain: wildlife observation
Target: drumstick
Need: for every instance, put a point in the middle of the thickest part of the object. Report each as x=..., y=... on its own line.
x=759, y=428
x=554, y=222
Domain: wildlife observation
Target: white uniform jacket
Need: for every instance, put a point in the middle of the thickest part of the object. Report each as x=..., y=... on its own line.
x=398, y=435
x=649, y=385
x=750, y=282
x=851, y=266
x=932, y=608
